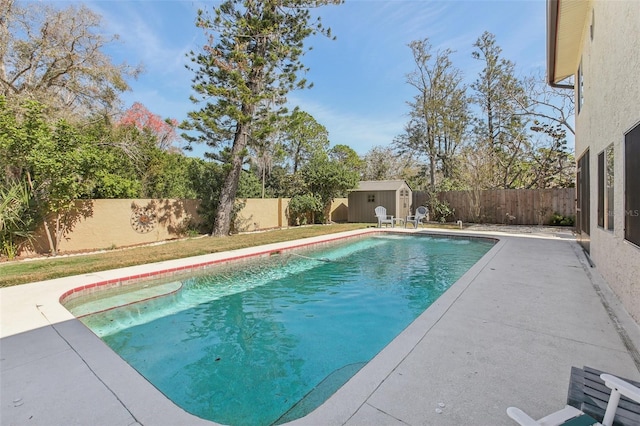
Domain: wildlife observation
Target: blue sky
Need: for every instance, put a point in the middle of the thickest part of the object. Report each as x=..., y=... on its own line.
x=360, y=90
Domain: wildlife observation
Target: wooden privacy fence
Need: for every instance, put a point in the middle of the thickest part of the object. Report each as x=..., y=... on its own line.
x=506, y=206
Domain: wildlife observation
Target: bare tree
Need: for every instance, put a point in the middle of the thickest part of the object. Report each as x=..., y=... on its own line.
x=552, y=165
x=383, y=163
x=56, y=57
x=551, y=112
x=439, y=111
x=545, y=103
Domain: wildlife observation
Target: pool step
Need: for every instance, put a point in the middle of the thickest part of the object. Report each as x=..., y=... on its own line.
x=113, y=301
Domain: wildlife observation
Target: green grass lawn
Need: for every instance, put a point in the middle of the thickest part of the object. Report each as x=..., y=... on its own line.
x=13, y=273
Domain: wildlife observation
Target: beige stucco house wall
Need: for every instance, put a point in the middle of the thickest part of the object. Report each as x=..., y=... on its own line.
x=605, y=61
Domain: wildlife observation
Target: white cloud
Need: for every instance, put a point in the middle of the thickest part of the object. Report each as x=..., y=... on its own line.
x=150, y=35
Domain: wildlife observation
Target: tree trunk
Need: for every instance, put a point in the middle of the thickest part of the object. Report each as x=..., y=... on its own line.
x=255, y=84
x=52, y=247
x=327, y=212
x=432, y=172
x=432, y=157
x=222, y=225
x=263, y=179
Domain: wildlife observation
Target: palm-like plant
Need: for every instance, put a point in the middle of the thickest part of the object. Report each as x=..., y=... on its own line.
x=16, y=218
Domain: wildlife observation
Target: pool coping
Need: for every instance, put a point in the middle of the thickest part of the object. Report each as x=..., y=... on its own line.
x=52, y=294
x=37, y=306
x=347, y=400
x=63, y=289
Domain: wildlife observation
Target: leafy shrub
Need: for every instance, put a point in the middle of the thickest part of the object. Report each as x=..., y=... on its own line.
x=439, y=210
x=559, y=220
x=303, y=209
x=189, y=228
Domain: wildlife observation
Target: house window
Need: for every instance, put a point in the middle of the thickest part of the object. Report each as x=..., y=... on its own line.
x=632, y=186
x=605, y=188
x=580, y=87
x=371, y=198
x=583, y=222
x=601, y=189
x=608, y=158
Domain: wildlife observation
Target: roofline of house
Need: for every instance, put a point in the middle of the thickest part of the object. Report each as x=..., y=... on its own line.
x=553, y=7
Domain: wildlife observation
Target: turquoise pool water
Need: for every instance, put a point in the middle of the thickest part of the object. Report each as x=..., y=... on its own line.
x=266, y=341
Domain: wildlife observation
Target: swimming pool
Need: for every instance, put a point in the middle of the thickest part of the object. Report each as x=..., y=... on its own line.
x=267, y=341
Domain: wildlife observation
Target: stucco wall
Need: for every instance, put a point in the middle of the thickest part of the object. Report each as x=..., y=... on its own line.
x=264, y=213
x=340, y=210
x=269, y=213
x=611, y=108
x=105, y=224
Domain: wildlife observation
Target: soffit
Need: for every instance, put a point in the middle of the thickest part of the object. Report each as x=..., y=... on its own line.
x=570, y=26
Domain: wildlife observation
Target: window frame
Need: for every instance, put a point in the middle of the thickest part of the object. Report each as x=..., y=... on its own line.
x=606, y=176
x=609, y=185
x=601, y=190
x=632, y=185
x=580, y=87
x=583, y=194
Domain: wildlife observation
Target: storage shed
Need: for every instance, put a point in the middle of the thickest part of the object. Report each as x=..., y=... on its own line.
x=394, y=195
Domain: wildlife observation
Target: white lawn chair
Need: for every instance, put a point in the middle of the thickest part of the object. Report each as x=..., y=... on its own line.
x=421, y=213
x=571, y=415
x=383, y=218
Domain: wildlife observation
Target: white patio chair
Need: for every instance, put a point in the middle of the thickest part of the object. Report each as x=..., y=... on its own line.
x=421, y=213
x=383, y=218
x=572, y=416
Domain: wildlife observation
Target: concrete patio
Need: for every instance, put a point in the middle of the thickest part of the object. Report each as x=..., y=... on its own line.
x=507, y=333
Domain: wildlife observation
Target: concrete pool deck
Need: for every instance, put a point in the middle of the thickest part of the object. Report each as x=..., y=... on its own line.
x=507, y=333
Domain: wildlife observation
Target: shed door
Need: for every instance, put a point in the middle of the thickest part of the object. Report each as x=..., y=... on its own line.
x=405, y=203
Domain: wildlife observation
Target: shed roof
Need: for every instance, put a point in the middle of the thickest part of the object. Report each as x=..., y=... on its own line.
x=381, y=185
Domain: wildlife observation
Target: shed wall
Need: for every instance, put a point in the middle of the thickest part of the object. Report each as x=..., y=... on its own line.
x=363, y=211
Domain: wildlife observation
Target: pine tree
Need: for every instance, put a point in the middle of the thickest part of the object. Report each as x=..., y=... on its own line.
x=251, y=60
x=501, y=131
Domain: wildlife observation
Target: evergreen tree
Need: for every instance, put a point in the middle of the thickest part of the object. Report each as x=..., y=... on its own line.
x=500, y=131
x=251, y=61
x=303, y=137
